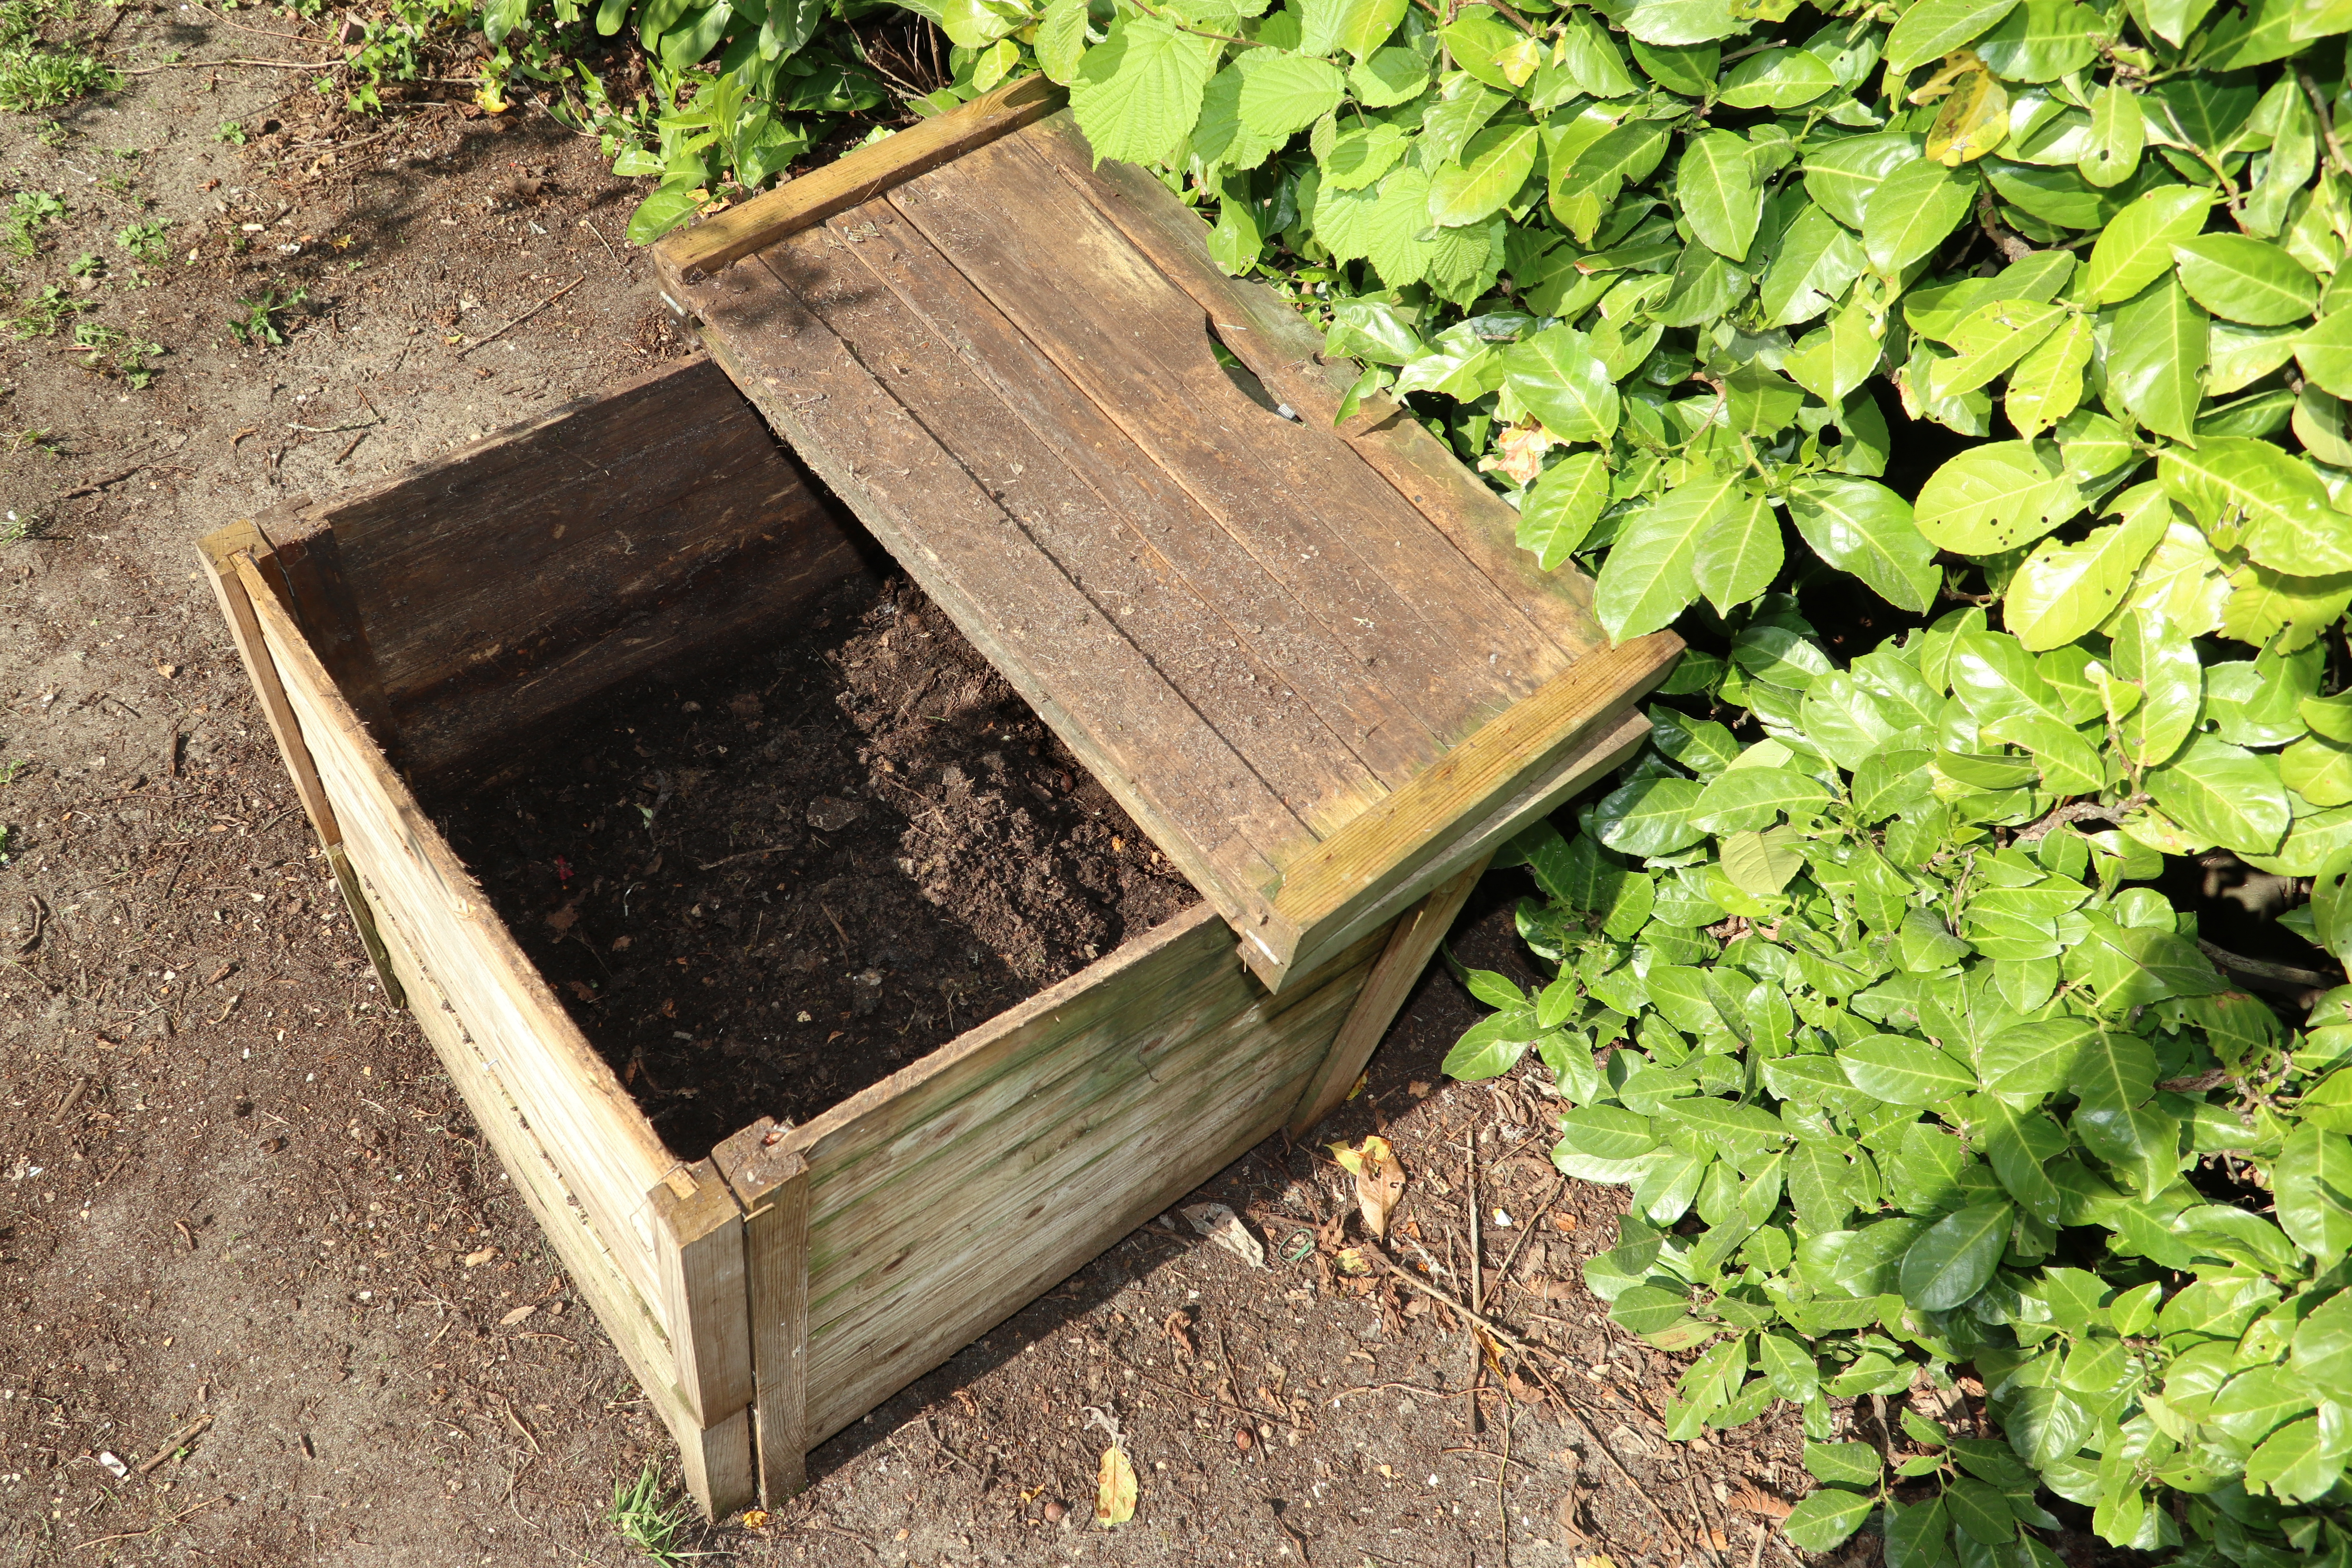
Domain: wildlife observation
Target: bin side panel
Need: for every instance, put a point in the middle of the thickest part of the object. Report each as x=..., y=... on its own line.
x=1024, y=1156
x=592, y=1265
x=500, y=586
x=609, y=1154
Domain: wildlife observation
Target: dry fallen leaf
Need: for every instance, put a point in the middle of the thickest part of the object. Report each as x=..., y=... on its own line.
x=1594, y=1561
x=1519, y=451
x=1115, y=1489
x=755, y=1519
x=516, y=1316
x=1224, y=1227
x=1379, y=1179
x=1352, y=1262
x=475, y=1259
x=1751, y=1500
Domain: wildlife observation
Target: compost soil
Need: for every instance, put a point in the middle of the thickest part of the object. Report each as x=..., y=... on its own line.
x=761, y=889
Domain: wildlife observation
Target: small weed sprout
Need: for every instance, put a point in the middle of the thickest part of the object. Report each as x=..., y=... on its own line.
x=647, y=1520
x=86, y=265
x=16, y=530
x=115, y=352
x=231, y=131
x=48, y=311
x=148, y=242
x=29, y=213
x=258, y=323
x=34, y=74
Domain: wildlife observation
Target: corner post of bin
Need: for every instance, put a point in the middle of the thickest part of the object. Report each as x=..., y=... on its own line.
x=697, y=1234
x=240, y=560
x=1412, y=941
x=770, y=1178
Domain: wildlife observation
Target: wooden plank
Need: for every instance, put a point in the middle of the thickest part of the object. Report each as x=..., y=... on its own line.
x=483, y=581
x=1020, y=1099
x=1430, y=628
x=364, y=920
x=608, y=1152
x=628, y=1321
x=235, y=594
x=772, y=1183
x=698, y=1249
x=304, y=550
x=1003, y=1228
x=717, y=1466
x=1101, y=512
x=1286, y=352
x=810, y=198
x=1617, y=742
x=1393, y=975
x=1216, y=593
x=1387, y=848
x=1173, y=773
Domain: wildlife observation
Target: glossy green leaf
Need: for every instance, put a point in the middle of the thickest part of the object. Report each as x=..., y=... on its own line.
x=2241, y=278
x=1493, y=167
x=1951, y=1261
x=1648, y=579
x=1556, y=376
x=1861, y=527
x=1905, y=1071
x=2154, y=357
x=2274, y=505
x=1562, y=506
x=1716, y=185
x=1914, y=207
x=1933, y=28
x=2063, y=591
x=1996, y=496
x=2135, y=249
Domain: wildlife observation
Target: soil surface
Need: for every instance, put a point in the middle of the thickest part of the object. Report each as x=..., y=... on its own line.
x=759, y=892
x=252, y=1251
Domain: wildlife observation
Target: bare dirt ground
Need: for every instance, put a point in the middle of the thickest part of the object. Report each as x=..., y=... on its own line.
x=262, y=1288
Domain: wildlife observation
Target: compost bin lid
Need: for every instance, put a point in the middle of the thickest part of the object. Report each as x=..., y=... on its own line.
x=1306, y=656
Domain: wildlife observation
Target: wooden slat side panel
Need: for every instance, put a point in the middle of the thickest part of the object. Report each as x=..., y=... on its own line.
x=1242, y=653
x=636, y=1331
x=1504, y=822
x=476, y=567
x=1287, y=353
x=1011, y=1220
x=1385, y=849
x=1291, y=493
x=473, y=735
x=312, y=567
x=236, y=597
x=1180, y=779
x=609, y=1154
x=818, y=194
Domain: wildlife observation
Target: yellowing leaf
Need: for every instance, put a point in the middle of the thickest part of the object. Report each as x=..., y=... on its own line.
x=1115, y=1488
x=1379, y=1179
x=1972, y=122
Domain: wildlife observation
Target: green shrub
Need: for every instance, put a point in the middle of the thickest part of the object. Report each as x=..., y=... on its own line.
x=35, y=74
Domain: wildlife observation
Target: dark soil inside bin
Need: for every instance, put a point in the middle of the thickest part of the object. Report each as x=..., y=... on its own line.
x=760, y=890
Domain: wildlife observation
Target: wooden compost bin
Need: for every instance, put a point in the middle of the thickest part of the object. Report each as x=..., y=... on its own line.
x=1308, y=662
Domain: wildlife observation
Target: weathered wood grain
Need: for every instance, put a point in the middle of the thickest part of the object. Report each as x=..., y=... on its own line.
x=1287, y=353
x=1387, y=847
x=594, y=1270
x=1097, y=1132
x=812, y=198
x=1616, y=740
x=699, y=1252
x=1425, y=624
x=1393, y=974
x=772, y=1183
x=303, y=550
x=235, y=593
x=608, y=1154
x=1184, y=783
x=1246, y=653
x=500, y=586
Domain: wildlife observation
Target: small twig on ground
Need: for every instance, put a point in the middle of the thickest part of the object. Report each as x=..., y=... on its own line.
x=139, y=1534
x=1526, y=1230
x=607, y=244
x=172, y=1444
x=746, y=855
x=526, y=316
x=336, y=429
x=257, y=64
